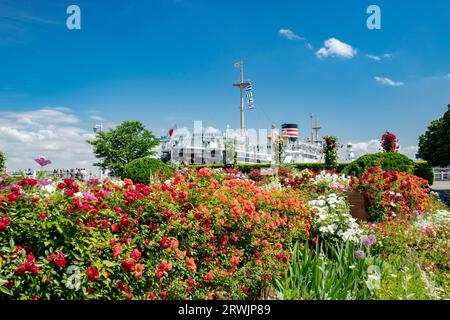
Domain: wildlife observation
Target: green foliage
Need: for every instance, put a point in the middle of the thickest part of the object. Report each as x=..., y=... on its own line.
x=144, y=169
x=327, y=272
x=388, y=161
x=330, y=152
x=119, y=146
x=403, y=279
x=423, y=170
x=2, y=162
x=434, y=144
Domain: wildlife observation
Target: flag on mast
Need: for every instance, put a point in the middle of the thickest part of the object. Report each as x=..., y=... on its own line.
x=249, y=94
x=237, y=65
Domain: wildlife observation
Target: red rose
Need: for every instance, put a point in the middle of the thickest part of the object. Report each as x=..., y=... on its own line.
x=20, y=270
x=12, y=197
x=69, y=192
x=117, y=249
x=174, y=244
x=52, y=257
x=62, y=185
x=114, y=227
x=165, y=242
x=159, y=274
x=129, y=265
x=4, y=222
x=151, y=295
x=60, y=260
x=92, y=274
x=10, y=283
x=209, y=276
x=42, y=216
x=139, y=271
x=122, y=286
x=135, y=254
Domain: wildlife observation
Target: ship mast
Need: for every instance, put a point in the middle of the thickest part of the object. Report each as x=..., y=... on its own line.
x=316, y=129
x=242, y=84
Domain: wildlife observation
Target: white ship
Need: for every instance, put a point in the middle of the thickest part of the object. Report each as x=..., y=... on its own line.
x=212, y=146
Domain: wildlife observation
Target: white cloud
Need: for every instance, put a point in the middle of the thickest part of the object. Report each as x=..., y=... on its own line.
x=388, y=82
x=335, y=48
x=97, y=118
x=289, y=34
x=51, y=132
x=373, y=57
x=374, y=145
x=448, y=76
x=379, y=58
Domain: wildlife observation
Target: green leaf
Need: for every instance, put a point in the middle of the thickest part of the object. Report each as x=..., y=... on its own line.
x=5, y=290
x=109, y=264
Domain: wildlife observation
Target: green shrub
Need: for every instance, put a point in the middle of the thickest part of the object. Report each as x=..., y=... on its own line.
x=328, y=271
x=246, y=168
x=2, y=162
x=388, y=161
x=423, y=170
x=143, y=169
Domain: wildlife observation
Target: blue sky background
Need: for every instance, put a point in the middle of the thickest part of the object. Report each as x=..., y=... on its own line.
x=171, y=61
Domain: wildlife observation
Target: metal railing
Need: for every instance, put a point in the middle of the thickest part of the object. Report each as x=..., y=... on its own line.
x=442, y=174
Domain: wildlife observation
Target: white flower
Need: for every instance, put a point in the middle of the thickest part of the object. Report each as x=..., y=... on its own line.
x=50, y=188
x=373, y=282
x=79, y=195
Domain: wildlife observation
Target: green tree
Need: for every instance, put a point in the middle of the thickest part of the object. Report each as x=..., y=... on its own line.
x=119, y=146
x=434, y=144
x=330, y=152
x=2, y=161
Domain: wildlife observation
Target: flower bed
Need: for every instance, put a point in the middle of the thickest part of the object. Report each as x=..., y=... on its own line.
x=201, y=235
x=221, y=234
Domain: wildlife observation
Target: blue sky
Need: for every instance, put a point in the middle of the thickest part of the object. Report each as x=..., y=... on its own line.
x=171, y=61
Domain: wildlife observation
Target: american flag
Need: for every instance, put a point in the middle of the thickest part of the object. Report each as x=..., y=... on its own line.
x=237, y=64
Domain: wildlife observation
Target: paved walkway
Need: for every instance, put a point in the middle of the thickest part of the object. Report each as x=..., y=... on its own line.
x=443, y=188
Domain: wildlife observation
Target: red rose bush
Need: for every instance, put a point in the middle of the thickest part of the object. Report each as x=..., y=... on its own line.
x=200, y=235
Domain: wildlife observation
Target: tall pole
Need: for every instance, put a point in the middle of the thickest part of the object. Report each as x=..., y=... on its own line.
x=242, y=99
x=242, y=84
x=312, y=132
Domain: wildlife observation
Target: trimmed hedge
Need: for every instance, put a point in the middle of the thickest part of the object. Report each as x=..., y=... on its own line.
x=387, y=161
x=142, y=169
x=424, y=170
x=2, y=162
